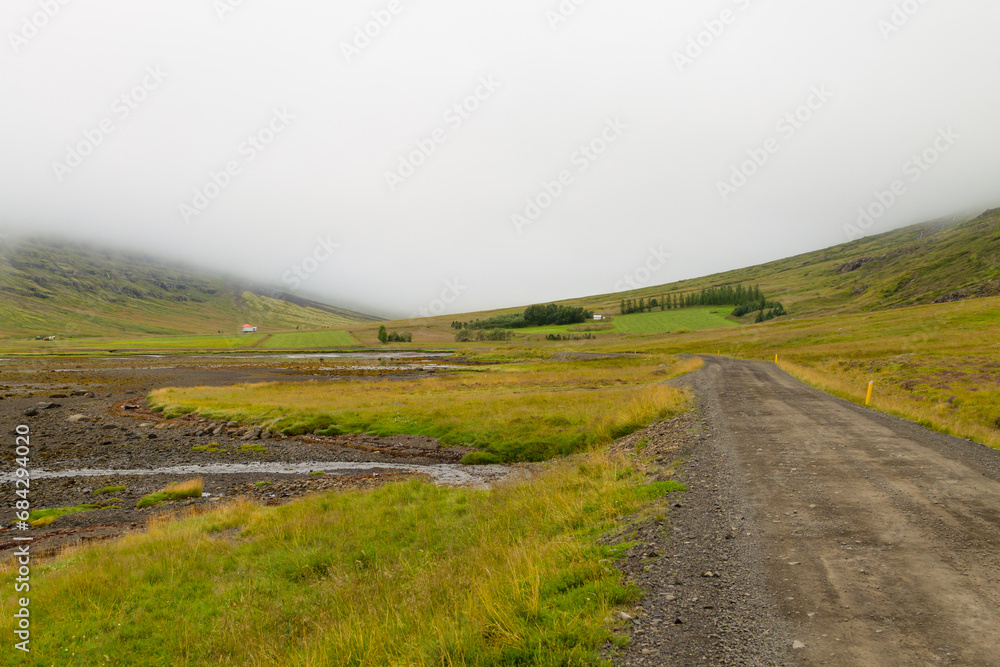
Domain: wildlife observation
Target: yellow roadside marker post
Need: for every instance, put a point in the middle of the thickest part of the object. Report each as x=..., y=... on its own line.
x=775, y=358
x=871, y=386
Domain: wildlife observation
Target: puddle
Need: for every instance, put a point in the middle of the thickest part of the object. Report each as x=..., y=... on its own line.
x=443, y=473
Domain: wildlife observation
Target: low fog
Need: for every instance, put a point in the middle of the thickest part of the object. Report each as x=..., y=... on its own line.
x=382, y=154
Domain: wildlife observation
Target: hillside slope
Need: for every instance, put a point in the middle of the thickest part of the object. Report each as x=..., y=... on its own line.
x=920, y=264
x=49, y=287
x=924, y=263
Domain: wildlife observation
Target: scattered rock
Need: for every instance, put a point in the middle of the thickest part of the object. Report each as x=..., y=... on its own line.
x=625, y=617
x=47, y=406
x=78, y=418
x=797, y=644
x=30, y=412
x=58, y=395
x=219, y=430
x=232, y=425
x=854, y=264
x=253, y=434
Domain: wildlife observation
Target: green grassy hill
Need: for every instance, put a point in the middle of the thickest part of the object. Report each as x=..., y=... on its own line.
x=925, y=263
x=50, y=287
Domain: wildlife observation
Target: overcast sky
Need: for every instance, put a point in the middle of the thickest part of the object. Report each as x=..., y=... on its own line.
x=492, y=153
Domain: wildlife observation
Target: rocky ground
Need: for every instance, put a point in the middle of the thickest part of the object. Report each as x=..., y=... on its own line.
x=90, y=415
x=697, y=564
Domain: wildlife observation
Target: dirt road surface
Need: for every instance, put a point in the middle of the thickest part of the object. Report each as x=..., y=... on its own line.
x=877, y=541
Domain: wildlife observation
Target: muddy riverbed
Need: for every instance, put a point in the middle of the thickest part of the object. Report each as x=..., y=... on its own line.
x=90, y=429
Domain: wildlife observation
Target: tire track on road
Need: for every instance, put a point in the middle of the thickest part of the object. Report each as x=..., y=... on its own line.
x=879, y=538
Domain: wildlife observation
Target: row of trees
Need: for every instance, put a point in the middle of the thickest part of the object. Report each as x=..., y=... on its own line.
x=533, y=316
x=629, y=306
x=386, y=337
x=744, y=299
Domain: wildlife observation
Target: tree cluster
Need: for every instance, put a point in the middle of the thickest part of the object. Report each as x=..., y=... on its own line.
x=777, y=311
x=386, y=337
x=533, y=316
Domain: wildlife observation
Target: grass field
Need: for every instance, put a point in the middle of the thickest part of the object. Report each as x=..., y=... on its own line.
x=516, y=412
x=936, y=364
x=671, y=320
x=218, y=342
x=296, y=340
x=309, y=340
x=553, y=329
x=409, y=574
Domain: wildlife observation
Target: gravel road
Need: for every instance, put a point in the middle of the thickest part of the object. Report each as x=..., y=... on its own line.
x=865, y=539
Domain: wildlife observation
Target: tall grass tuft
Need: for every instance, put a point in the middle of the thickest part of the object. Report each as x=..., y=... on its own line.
x=190, y=489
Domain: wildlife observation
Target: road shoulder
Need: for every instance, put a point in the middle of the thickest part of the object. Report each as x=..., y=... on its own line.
x=705, y=598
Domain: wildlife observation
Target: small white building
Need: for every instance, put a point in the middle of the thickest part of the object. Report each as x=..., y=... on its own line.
x=598, y=318
x=249, y=328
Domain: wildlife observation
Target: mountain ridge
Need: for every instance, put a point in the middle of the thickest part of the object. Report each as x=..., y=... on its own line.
x=56, y=287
